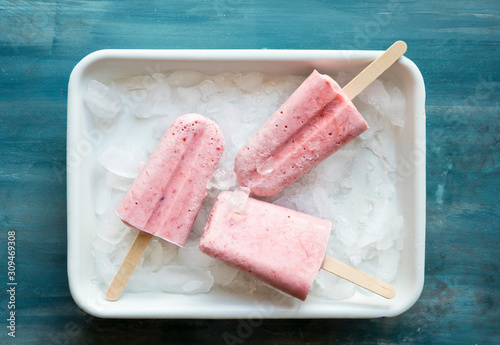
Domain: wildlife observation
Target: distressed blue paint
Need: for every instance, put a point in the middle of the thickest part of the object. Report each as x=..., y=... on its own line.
x=456, y=46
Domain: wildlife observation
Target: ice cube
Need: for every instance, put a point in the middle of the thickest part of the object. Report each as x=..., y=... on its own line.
x=118, y=182
x=338, y=166
x=153, y=256
x=185, y=78
x=155, y=102
x=207, y=88
x=122, y=162
x=397, y=108
x=142, y=280
x=106, y=270
x=287, y=202
x=345, y=231
x=222, y=179
x=343, y=78
x=136, y=97
x=374, y=124
x=224, y=81
x=161, y=99
x=294, y=189
x=201, y=220
x=367, y=238
x=378, y=224
x=354, y=254
x=309, y=179
x=102, y=197
x=236, y=133
x=249, y=82
x=331, y=286
x=122, y=248
x=305, y=201
x=289, y=88
x=322, y=202
x=223, y=274
x=138, y=82
x=385, y=243
x=185, y=279
x=169, y=251
x=187, y=99
x=115, y=198
x=102, y=101
x=110, y=228
x=375, y=146
x=160, y=78
x=241, y=284
x=267, y=167
x=239, y=198
x=191, y=255
x=387, y=154
x=376, y=95
x=238, y=138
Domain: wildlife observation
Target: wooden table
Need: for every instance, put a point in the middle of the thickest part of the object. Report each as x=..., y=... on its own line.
x=456, y=47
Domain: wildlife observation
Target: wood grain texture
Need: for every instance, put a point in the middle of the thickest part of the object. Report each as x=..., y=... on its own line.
x=128, y=266
x=374, y=69
x=359, y=278
x=456, y=47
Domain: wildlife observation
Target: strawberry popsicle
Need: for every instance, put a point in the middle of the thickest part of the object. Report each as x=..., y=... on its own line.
x=167, y=195
x=165, y=198
x=281, y=247
x=316, y=121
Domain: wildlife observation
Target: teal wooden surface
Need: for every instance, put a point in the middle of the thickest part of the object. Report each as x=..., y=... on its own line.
x=454, y=43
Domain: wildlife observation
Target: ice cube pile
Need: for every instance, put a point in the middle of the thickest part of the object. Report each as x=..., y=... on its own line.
x=355, y=188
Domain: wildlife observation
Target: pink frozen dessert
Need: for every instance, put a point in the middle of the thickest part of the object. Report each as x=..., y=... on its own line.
x=281, y=247
x=316, y=121
x=167, y=195
x=165, y=198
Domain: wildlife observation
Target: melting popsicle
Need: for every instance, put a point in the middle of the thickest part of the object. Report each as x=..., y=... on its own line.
x=316, y=121
x=281, y=247
x=166, y=196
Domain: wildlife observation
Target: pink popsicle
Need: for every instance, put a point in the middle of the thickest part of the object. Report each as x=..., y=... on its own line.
x=165, y=198
x=316, y=121
x=167, y=195
x=281, y=247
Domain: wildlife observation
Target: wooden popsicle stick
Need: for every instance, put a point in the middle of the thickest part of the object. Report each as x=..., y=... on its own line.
x=128, y=266
x=359, y=278
x=375, y=69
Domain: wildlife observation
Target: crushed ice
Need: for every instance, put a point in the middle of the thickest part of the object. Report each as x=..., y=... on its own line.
x=121, y=161
x=267, y=167
x=102, y=101
x=352, y=188
x=238, y=199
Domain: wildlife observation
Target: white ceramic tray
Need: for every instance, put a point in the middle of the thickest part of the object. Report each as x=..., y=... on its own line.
x=108, y=65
